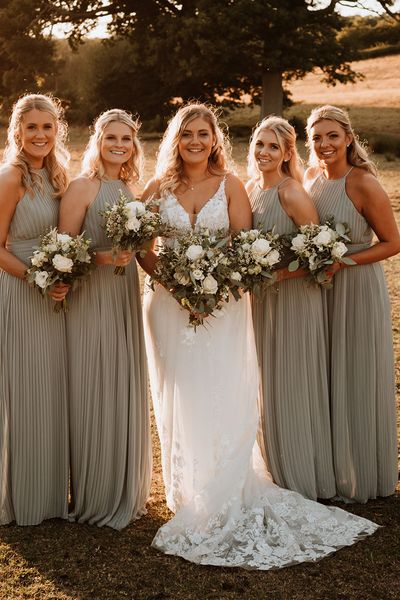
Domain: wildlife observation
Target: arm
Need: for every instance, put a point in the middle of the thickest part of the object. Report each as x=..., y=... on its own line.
x=240, y=215
x=11, y=192
x=149, y=261
x=370, y=199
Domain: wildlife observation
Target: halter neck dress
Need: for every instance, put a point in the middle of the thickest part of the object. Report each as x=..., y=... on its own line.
x=293, y=398
x=33, y=378
x=109, y=412
x=362, y=392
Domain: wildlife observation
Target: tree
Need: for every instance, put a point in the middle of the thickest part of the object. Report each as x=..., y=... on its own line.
x=27, y=61
x=221, y=50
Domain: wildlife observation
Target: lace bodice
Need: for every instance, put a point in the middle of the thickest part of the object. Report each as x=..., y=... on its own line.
x=213, y=215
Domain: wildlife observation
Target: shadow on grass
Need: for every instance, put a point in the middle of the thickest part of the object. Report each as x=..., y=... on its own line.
x=58, y=560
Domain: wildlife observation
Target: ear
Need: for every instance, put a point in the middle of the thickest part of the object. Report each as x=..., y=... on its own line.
x=287, y=156
x=349, y=139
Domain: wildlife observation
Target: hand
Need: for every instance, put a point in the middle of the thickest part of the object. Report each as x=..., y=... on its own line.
x=59, y=291
x=333, y=269
x=123, y=258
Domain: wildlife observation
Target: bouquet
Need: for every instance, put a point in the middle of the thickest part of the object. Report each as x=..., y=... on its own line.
x=62, y=258
x=317, y=247
x=130, y=226
x=196, y=271
x=252, y=256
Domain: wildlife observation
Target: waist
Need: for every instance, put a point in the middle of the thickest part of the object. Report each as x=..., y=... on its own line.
x=353, y=248
x=23, y=249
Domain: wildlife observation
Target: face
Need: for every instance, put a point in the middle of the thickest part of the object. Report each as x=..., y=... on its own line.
x=329, y=141
x=196, y=141
x=117, y=143
x=38, y=134
x=267, y=152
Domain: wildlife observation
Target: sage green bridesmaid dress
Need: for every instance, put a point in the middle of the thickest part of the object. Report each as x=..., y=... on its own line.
x=109, y=411
x=294, y=436
x=34, y=452
x=362, y=392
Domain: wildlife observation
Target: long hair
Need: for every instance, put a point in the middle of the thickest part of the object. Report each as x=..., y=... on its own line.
x=169, y=166
x=92, y=163
x=357, y=154
x=286, y=138
x=56, y=162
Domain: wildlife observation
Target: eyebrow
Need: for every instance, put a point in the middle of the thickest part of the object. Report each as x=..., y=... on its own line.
x=31, y=123
x=199, y=131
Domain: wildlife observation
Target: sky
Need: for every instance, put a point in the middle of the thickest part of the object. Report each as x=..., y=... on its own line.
x=100, y=31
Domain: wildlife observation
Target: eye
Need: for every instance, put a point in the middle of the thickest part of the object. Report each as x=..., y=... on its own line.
x=127, y=138
x=186, y=134
x=274, y=147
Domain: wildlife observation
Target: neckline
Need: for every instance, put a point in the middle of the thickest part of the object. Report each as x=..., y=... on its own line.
x=204, y=205
x=274, y=186
x=337, y=178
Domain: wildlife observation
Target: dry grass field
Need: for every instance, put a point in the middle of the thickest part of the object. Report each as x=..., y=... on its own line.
x=61, y=561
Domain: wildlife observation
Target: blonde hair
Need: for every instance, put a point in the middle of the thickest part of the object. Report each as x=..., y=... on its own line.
x=169, y=166
x=92, y=163
x=357, y=154
x=286, y=138
x=56, y=162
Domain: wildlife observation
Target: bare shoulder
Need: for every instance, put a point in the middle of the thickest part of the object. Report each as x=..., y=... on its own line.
x=311, y=173
x=10, y=175
x=363, y=181
x=233, y=183
x=83, y=184
x=151, y=189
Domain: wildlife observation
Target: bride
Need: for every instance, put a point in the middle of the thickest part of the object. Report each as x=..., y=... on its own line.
x=204, y=384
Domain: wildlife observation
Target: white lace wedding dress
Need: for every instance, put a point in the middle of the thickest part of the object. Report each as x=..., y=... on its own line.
x=204, y=387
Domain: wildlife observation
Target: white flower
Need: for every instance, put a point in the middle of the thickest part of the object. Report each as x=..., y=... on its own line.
x=133, y=224
x=50, y=248
x=246, y=246
x=260, y=247
x=181, y=278
x=197, y=274
x=339, y=249
x=299, y=242
x=323, y=238
x=41, y=278
x=62, y=263
x=236, y=276
x=312, y=261
x=64, y=238
x=194, y=252
x=38, y=258
x=210, y=285
x=272, y=258
x=135, y=209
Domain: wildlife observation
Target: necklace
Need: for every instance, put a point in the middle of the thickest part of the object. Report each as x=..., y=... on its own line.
x=191, y=185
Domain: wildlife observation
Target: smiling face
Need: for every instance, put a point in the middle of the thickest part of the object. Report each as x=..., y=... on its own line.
x=267, y=152
x=38, y=134
x=116, y=146
x=330, y=142
x=196, y=141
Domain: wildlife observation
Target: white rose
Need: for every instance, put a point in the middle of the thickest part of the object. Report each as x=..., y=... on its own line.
x=197, y=274
x=236, y=276
x=41, y=278
x=298, y=242
x=323, y=238
x=133, y=224
x=339, y=249
x=181, y=278
x=135, y=209
x=62, y=263
x=210, y=285
x=38, y=258
x=50, y=248
x=272, y=258
x=260, y=247
x=64, y=238
x=194, y=252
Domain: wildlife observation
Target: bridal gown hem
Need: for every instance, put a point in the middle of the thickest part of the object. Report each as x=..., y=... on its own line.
x=204, y=386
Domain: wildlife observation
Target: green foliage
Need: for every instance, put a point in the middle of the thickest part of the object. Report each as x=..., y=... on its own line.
x=371, y=36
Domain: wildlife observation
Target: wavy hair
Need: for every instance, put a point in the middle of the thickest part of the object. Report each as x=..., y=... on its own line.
x=92, y=163
x=169, y=166
x=286, y=138
x=357, y=153
x=56, y=162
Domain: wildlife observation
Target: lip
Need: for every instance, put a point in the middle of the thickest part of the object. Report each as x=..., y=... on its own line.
x=118, y=152
x=39, y=144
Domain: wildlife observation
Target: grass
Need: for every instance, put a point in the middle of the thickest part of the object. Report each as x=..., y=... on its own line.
x=61, y=561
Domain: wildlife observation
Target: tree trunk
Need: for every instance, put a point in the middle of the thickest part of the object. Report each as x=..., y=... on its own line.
x=272, y=94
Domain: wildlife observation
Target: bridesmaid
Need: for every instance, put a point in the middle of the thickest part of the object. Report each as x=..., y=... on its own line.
x=109, y=413
x=289, y=327
x=342, y=183
x=33, y=378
